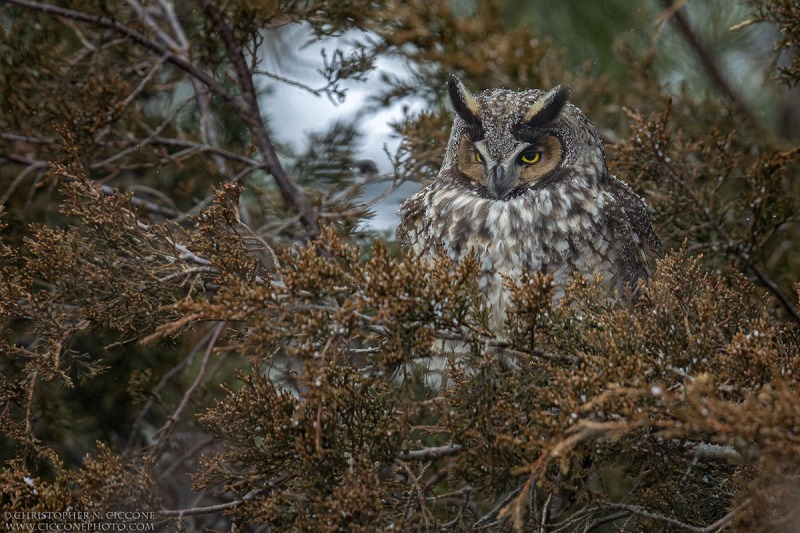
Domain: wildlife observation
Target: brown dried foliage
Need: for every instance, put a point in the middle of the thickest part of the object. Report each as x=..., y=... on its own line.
x=335, y=385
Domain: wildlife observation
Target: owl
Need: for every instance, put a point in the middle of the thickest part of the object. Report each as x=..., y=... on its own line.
x=524, y=186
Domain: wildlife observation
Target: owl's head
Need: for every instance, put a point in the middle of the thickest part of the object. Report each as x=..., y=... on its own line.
x=506, y=142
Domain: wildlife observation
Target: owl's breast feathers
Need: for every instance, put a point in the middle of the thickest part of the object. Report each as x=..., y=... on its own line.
x=562, y=229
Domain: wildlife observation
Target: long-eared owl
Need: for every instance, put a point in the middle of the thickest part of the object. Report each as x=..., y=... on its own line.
x=524, y=186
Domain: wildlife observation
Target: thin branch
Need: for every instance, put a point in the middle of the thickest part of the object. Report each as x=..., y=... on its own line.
x=430, y=454
x=143, y=83
x=613, y=517
x=208, y=129
x=180, y=513
x=251, y=113
x=233, y=156
x=707, y=58
x=144, y=15
x=775, y=290
x=247, y=107
x=32, y=166
x=167, y=427
x=143, y=143
x=716, y=526
x=725, y=520
x=158, y=48
x=289, y=81
x=187, y=361
x=219, y=507
x=499, y=507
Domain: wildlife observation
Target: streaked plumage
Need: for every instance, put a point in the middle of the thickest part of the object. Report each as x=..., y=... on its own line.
x=524, y=184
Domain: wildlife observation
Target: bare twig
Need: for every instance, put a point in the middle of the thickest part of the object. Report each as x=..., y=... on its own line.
x=219, y=507
x=247, y=106
x=31, y=166
x=187, y=361
x=176, y=415
x=143, y=83
x=716, y=526
x=200, y=510
x=250, y=111
x=430, y=454
x=499, y=507
x=708, y=60
x=775, y=290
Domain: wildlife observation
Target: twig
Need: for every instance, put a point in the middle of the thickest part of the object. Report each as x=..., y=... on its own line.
x=249, y=111
x=208, y=129
x=187, y=361
x=144, y=15
x=635, y=509
x=33, y=165
x=430, y=454
x=293, y=83
x=219, y=507
x=175, y=417
x=180, y=513
x=158, y=48
x=709, y=62
x=613, y=517
x=506, y=347
x=247, y=107
x=143, y=83
x=716, y=526
x=773, y=288
x=545, y=512
x=499, y=507
x=139, y=145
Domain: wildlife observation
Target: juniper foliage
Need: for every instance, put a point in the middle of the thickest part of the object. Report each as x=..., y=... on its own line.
x=204, y=330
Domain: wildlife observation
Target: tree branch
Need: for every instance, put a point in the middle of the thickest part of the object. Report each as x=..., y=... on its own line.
x=716, y=526
x=247, y=107
x=429, y=454
x=175, y=417
x=251, y=113
x=709, y=61
x=158, y=48
x=776, y=291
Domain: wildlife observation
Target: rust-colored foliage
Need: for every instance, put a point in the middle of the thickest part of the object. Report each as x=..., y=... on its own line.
x=205, y=330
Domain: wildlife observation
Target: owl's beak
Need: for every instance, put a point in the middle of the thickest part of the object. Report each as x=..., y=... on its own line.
x=500, y=181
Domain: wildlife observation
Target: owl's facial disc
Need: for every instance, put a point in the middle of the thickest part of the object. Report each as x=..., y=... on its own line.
x=523, y=166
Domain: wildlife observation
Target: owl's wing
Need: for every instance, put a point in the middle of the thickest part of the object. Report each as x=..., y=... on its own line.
x=412, y=214
x=635, y=234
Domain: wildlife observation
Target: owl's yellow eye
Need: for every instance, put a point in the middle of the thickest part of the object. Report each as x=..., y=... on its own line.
x=478, y=157
x=529, y=157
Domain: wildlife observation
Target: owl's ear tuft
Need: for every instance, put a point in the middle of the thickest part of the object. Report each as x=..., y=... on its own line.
x=548, y=107
x=463, y=102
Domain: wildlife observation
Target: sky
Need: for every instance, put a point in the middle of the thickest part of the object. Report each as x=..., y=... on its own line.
x=300, y=112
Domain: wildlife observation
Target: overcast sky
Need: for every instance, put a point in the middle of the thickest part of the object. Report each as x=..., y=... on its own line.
x=300, y=112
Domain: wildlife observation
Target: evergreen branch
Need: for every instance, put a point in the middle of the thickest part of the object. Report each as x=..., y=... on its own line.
x=133, y=35
x=247, y=108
